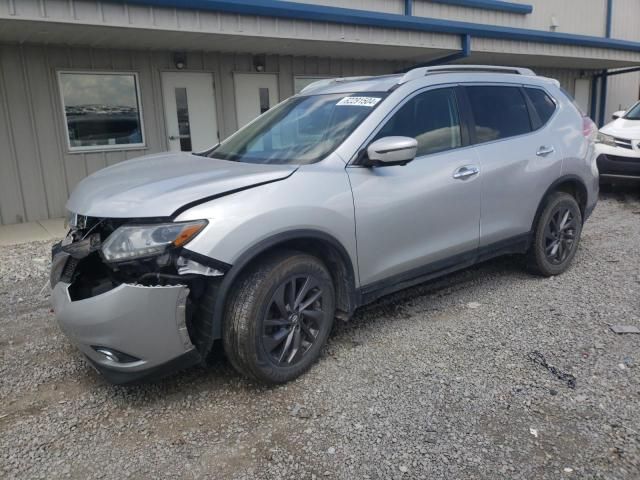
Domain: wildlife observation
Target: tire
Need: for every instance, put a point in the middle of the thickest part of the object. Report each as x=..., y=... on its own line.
x=258, y=341
x=556, y=236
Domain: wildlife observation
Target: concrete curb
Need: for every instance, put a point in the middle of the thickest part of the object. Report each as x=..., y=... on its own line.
x=42, y=230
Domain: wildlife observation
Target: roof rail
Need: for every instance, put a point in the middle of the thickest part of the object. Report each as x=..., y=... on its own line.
x=422, y=71
x=328, y=81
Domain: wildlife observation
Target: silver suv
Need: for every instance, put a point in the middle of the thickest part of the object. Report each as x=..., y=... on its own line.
x=353, y=189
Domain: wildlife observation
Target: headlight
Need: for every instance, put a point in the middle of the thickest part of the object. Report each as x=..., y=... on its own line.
x=69, y=219
x=605, y=139
x=136, y=241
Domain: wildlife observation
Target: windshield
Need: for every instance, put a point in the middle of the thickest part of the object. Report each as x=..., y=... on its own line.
x=633, y=113
x=300, y=130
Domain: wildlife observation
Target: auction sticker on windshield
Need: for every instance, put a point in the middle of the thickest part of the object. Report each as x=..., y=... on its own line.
x=359, y=101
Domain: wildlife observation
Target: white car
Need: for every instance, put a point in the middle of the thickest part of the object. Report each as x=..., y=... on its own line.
x=618, y=146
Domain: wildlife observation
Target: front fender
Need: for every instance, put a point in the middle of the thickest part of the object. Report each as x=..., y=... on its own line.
x=315, y=199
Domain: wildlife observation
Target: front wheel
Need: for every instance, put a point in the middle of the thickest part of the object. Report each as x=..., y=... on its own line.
x=279, y=317
x=556, y=236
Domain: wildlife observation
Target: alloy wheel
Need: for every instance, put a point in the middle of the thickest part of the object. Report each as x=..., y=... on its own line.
x=293, y=319
x=560, y=235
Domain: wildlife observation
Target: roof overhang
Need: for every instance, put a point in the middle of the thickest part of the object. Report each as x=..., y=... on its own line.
x=289, y=28
x=309, y=12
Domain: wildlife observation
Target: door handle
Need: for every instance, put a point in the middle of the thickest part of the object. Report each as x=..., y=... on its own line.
x=178, y=137
x=465, y=172
x=544, y=151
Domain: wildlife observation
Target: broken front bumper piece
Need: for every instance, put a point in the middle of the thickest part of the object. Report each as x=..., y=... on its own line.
x=130, y=332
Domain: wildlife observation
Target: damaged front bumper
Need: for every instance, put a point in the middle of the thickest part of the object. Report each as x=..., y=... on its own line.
x=134, y=319
x=131, y=332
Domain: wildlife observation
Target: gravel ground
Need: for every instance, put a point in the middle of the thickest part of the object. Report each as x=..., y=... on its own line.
x=445, y=380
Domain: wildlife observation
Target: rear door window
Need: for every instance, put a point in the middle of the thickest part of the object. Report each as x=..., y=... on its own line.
x=542, y=103
x=499, y=112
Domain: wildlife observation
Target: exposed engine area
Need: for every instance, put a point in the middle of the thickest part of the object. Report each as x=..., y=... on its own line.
x=79, y=261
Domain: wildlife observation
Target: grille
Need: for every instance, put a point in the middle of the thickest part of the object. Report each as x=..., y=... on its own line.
x=623, y=142
x=69, y=268
x=616, y=158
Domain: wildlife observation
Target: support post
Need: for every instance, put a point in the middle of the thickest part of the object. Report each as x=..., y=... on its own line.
x=603, y=99
x=593, y=104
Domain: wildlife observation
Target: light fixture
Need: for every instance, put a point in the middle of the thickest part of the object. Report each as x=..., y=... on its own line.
x=258, y=62
x=180, y=60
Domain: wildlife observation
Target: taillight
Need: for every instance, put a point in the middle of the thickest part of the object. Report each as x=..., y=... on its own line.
x=589, y=129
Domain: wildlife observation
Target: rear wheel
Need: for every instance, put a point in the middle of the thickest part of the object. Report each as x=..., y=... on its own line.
x=279, y=317
x=556, y=236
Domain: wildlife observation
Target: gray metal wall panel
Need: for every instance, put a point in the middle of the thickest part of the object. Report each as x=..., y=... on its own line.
x=623, y=91
x=553, y=54
x=46, y=140
x=586, y=17
x=11, y=203
x=625, y=20
x=161, y=23
x=386, y=6
x=25, y=138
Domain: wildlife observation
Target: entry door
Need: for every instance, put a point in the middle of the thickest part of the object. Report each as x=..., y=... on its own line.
x=190, y=111
x=255, y=94
x=425, y=216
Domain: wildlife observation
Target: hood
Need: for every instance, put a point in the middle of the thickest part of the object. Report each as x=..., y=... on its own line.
x=623, y=128
x=158, y=185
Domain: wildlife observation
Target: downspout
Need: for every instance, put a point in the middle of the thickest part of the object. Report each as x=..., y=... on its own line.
x=619, y=72
x=465, y=40
x=604, y=79
x=465, y=51
x=609, y=18
x=603, y=98
x=593, y=109
x=408, y=7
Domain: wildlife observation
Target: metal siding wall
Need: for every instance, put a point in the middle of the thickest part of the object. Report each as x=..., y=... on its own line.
x=46, y=140
x=25, y=152
x=585, y=17
x=385, y=6
x=38, y=172
x=11, y=199
x=624, y=90
x=566, y=77
x=523, y=52
x=171, y=28
x=625, y=20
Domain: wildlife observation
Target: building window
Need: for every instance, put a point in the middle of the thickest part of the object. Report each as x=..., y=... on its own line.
x=102, y=110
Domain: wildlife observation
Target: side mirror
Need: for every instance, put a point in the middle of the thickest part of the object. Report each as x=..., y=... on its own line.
x=389, y=151
x=618, y=114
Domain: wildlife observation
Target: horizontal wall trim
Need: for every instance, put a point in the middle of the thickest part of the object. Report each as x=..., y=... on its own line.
x=521, y=8
x=299, y=11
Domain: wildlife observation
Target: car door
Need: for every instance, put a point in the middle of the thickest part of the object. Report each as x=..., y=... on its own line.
x=518, y=155
x=422, y=217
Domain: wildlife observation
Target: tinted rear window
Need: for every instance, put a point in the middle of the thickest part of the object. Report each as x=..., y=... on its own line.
x=499, y=112
x=543, y=103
